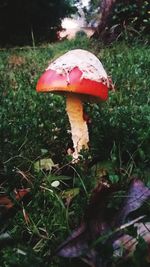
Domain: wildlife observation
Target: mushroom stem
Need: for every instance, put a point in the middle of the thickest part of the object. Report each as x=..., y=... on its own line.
x=79, y=129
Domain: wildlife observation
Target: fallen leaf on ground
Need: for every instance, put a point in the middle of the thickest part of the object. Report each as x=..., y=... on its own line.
x=8, y=202
x=97, y=226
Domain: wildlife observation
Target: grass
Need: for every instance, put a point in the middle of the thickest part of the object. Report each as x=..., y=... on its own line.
x=34, y=126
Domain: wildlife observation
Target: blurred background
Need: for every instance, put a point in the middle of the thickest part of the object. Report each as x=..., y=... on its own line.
x=26, y=22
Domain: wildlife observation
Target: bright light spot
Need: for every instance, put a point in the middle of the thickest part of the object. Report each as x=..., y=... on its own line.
x=55, y=184
x=68, y=23
x=85, y=2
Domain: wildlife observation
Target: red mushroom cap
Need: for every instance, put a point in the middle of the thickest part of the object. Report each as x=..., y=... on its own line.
x=72, y=80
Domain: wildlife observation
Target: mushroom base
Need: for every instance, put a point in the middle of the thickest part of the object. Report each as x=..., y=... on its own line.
x=79, y=129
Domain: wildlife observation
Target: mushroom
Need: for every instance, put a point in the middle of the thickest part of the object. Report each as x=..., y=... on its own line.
x=80, y=76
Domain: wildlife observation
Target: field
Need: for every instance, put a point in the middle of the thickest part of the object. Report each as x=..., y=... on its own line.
x=35, y=136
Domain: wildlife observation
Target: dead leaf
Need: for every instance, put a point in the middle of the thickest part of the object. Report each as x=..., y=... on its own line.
x=97, y=224
x=7, y=202
x=137, y=194
x=125, y=245
x=44, y=164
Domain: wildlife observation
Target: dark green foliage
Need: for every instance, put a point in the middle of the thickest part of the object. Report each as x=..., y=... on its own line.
x=20, y=257
x=124, y=119
x=126, y=20
x=131, y=18
x=81, y=34
x=31, y=122
x=28, y=21
x=140, y=254
x=34, y=126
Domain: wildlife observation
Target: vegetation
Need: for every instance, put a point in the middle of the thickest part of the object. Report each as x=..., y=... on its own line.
x=35, y=127
x=31, y=21
x=121, y=19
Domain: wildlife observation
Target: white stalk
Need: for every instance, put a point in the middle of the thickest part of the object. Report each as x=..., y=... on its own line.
x=79, y=129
